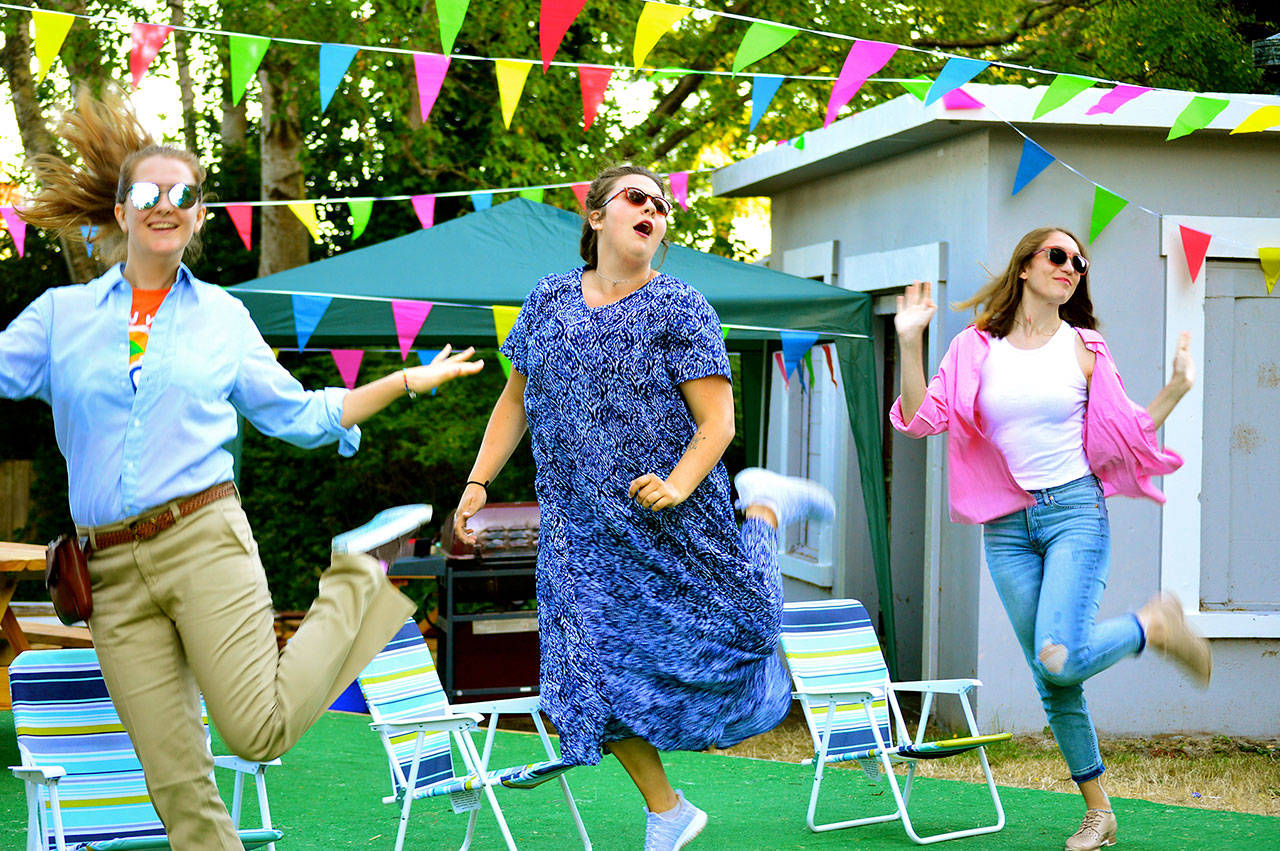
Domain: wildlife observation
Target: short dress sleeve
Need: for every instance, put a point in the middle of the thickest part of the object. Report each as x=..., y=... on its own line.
x=516, y=346
x=695, y=341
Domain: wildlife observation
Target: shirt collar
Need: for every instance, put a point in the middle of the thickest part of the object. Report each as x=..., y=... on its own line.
x=114, y=277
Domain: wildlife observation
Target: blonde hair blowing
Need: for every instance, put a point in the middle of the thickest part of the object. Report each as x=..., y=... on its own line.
x=109, y=141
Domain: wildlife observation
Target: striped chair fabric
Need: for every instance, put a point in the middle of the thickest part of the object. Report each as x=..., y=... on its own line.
x=64, y=717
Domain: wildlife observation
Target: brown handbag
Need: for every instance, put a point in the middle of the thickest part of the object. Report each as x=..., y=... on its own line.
x=66, y=575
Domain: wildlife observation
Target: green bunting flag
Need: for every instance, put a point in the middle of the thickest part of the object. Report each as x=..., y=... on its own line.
x=450, y=13
x=1106, y=205
x=761, y=40
x=1063, y=88
x=360, y=208
x=246, y=55
x=1196, y=115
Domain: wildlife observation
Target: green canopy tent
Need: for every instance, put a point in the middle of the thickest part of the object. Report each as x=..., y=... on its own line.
x=467, y=265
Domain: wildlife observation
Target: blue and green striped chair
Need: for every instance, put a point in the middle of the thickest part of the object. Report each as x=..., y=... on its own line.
x=421, y=734
x=85, y=789
x=852, y=709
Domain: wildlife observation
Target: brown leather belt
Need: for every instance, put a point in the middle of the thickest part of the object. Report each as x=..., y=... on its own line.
x=145, y=528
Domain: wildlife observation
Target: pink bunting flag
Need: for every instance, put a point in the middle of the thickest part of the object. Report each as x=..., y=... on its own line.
x=16, y=226
x=425, y=207
x=1195, y=245
x=242, y=216
x=430, y=69
x=580, y=190
x=593, y=80
x=865, y=58
x=146, y=43
x=1116, y=98
x=348, y=361
x=553, y=23
x=782, y=369
x=409, y=316
x=960, y=99
x=679, y=181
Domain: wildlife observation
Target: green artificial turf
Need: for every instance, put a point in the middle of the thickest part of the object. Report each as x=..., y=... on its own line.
x=328, y=793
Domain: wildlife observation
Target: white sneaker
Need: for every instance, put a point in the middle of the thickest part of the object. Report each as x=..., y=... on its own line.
x=790, y=498
x=674, y=830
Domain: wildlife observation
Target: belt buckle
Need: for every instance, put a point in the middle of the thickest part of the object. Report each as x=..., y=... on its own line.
x=145, y=528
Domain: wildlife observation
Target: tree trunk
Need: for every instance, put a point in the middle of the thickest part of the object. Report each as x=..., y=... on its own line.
x=179, y=19
x=284, y=240
x=36, y=137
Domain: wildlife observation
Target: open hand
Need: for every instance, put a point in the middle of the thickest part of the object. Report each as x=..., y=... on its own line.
x=655, y=493
x=445, y=366
x=1184, y=368
x=915, y=309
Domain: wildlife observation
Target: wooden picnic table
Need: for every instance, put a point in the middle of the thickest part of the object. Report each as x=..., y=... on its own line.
x=17, y=561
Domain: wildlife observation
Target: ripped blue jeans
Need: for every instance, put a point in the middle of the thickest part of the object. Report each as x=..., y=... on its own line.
x=1049, y=564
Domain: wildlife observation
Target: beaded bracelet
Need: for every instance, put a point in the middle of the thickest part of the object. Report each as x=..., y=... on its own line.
x=407, y=388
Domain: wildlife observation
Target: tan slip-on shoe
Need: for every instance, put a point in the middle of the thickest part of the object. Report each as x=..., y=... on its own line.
x=1170, y=634
x=1096, y=831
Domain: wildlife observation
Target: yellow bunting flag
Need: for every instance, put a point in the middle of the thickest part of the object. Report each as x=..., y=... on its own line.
x=504, y=317
x=656, y=19
x=1263, y=118
x=306, y=213
x=51, y=31
x=275, y=353
x=1269, y=257
x=511, y=77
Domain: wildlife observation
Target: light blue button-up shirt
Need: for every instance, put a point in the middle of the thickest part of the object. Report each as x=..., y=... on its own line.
x=128, y=452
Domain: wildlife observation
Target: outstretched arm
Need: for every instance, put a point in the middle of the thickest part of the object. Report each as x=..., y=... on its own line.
x=368, y=399
x=1184, y=375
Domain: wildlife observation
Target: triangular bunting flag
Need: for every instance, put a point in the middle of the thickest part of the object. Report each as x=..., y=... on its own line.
x=761, y=40
x=425, y=208
x=808, y=365
x=1116, y=98
x=511, y=77
x=1263, y=118
x=1195, y=245
x=864, y=59
x=425, y=356
x=408, y=316
x=1269, y=257
x=917, y=87
x=481, y=200
x=307, y=312
x=798, y=142
x=1034, y=160
x=334, y=61
x=831, y=363
x=763, y=88
x=782, y=369
x=533, y=193
x=553, y=23
x=679, y=181
x=348, y=361
x=51, y=31
x=246, y=55
x=1196, y=115
x=1063, y=88
x=504, y=318
x=145, y=44
x=1106, y=205
x=593, y=80
x=954, y=74
x=306, y=213
x=580, y=190
x=450, y=14
x=16, y=226
x=794, y=346
x=361, y=209
x=88, y=233
x=242, y=217
x=960, y=99
x=429, y=69
x=656, y=19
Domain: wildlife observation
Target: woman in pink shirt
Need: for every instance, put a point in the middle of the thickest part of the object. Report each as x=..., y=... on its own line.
x=1039, y=431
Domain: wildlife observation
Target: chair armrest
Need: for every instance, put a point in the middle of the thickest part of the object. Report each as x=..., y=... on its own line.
x=244, y=766
x=507, y=706
x=428, y=724
x=38, y=774
x=857, y=694
x=956, y=686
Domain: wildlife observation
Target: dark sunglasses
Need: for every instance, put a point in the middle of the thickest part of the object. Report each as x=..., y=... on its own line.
x=637, y=197
x=1058, y=256
x=144, y=195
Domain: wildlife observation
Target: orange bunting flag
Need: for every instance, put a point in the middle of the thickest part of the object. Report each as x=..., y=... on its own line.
x=553, y=23
x=593, y=79
x=580, y=190
x=146, y=43
x=656, y=19
x=51, y=31
x=1195, y=245
x=511, y=77
x=831, y=363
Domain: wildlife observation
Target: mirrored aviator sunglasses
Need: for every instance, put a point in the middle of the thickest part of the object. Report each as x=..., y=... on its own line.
x=144, y=195
x=1057, y=256
x=637, y=197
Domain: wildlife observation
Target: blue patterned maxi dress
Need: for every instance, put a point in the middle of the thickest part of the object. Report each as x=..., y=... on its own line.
x=662, y=624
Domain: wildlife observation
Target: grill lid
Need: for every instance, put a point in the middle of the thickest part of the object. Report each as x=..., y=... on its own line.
x=504, y=530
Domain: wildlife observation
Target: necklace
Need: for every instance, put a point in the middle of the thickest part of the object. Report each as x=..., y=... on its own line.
x=644, y=280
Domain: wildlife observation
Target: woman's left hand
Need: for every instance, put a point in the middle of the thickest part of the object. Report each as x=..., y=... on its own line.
x=655, y=493
x=445, y=366
x=1184, y=368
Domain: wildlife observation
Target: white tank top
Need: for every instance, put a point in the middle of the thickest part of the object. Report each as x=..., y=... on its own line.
x=1032, y=406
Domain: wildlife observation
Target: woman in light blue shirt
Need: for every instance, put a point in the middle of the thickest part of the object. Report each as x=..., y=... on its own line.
x=146, y=368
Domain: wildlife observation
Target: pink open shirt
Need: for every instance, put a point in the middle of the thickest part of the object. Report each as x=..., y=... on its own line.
x=1119, y=436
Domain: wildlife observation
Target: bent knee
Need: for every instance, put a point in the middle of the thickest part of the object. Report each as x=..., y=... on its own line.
x=1059, y=665
x=258, y=745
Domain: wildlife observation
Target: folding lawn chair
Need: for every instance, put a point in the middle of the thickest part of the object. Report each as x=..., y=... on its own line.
x=85, y=788
x=413, y=719
x=843, y=686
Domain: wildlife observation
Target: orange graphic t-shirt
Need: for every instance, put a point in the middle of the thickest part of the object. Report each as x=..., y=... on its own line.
x=145, y=305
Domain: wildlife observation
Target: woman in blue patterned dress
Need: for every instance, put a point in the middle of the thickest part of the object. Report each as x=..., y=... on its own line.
x=658, y=618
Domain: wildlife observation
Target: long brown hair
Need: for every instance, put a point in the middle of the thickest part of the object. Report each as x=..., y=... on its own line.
x=995, y=304
x=597, y=194
x=110, y=142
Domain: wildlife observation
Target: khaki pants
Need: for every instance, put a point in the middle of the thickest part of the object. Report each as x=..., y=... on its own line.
x=188, y=612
